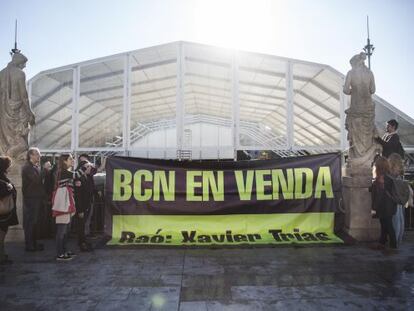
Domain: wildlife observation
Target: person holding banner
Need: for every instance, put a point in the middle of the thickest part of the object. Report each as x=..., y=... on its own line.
x=84, y=188
x=63, y=206
x=382, y=203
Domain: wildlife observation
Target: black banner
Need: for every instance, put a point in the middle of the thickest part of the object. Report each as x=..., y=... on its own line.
x=161, y=187
x=158, y=202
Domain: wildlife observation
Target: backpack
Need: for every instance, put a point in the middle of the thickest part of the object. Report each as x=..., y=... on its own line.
x=400, y=192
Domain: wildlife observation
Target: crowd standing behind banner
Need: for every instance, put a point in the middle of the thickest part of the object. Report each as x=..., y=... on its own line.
x=39, y=187
x=388, y=185
x=390, y=195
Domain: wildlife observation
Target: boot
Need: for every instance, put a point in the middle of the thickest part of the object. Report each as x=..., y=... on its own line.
x=4, y=259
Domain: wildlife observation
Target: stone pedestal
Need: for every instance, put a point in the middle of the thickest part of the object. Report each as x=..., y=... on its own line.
x=16, y=233
x=357, y=201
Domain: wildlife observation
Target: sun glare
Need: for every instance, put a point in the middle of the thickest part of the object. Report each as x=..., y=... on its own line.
x=235, y=24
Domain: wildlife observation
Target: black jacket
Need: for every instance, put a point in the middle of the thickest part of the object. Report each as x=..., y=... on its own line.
x=390, y=144
x=84, y=192
x=32, y=186
x=382, y=202
x=11, y=218
x=48, y=183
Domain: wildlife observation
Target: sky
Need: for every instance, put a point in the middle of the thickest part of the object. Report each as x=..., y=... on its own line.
x=59, y=32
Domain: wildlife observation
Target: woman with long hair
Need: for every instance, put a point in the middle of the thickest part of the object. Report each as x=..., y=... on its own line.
x=65, y=179
x=7, y=193
x=382, y=202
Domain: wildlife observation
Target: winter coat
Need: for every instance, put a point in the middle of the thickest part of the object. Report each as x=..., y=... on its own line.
x=11, y=218
x=32, y=186
x=382, y=201
x=84, y=190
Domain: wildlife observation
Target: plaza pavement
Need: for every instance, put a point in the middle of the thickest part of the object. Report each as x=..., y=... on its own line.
x=340, y=277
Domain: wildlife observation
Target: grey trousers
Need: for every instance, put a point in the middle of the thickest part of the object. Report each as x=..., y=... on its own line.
x=88, y=220
x=2, y=238
x=31, y=210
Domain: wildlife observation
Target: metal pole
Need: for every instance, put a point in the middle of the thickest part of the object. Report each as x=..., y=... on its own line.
x=126, y=129
x=180, y=98
x=289, y=106
x=15, y=49
x=342, y=106
x=75, y=108
x=15, y=35
x=369, y=48
x=29, y=92
x=165, y=143
x=235, y=120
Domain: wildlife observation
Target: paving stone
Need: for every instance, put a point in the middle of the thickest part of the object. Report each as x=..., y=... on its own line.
x=129, y=304
x=234, y=306
x=314, y=277
x=157, y=297
x=193, y=306
x=69, y=305
x=21, y=304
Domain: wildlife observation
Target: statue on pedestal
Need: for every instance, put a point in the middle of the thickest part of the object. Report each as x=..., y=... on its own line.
x=15, y=112
x=360, y=123
x=360, y=117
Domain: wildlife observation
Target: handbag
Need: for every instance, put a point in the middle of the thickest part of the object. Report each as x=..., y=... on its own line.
x=62, y=201
x=400, y=192
x=6, y=204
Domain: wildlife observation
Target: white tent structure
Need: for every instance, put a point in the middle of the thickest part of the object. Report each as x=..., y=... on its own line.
x=187, y=100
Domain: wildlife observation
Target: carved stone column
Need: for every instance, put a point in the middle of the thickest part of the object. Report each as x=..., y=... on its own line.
x=357, y=202
x=360, y=123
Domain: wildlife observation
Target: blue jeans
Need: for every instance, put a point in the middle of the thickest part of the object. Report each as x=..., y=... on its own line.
x=61, y=233
x=398, y=223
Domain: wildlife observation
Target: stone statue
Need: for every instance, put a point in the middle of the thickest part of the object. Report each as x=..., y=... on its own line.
x=360, y=117
x=15, y=112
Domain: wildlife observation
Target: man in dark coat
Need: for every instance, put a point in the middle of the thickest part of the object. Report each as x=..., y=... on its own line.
x=33, y=196
x=390, y=141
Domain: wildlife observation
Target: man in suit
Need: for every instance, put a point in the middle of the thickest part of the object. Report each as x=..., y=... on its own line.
x=390, y=141
x=33, y=196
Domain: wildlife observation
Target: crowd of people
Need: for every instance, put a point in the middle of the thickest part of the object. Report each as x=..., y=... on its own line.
x=390, y=196
x=67, y=193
